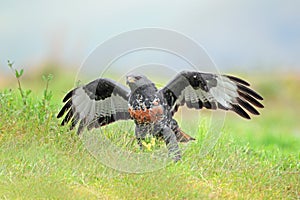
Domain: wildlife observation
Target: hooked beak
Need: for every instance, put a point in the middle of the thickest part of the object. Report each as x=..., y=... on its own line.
x=130, y=79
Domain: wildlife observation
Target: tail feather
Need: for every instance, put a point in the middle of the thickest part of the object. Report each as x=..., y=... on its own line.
x=182, y=136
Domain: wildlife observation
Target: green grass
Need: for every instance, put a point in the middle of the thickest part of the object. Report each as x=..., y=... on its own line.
x=258, y=159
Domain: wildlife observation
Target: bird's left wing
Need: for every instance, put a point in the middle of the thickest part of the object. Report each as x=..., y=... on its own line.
x=211, y=91
x=95, y=104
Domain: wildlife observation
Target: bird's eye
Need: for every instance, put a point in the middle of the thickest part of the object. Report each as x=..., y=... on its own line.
x=138, y=77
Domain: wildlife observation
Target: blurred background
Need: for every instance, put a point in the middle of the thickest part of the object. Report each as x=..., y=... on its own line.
x=242, y=35
x=257, y=40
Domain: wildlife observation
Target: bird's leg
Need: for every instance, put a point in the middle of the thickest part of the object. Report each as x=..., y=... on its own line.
x=139, y=141
x=171, y=143
x=140, y=135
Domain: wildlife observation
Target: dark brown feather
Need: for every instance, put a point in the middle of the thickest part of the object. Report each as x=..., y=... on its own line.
x=68, y=95
x=247, y=106
x=67, y=118
x=236, y=108
x=65, y=108
x=250, y=99
x=238, y=80
x=249, y=91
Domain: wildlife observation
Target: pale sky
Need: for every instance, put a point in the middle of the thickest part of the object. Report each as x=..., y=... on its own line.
x=245, y=34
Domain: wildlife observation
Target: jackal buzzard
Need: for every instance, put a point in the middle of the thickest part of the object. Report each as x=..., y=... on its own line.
x=104, y=101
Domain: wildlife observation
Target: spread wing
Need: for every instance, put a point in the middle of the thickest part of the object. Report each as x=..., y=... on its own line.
x=211, y=91
x=95, y=104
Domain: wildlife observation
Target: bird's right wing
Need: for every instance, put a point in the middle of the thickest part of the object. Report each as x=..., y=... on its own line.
x=95, y=104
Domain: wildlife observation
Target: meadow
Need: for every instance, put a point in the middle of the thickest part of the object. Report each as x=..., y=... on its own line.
x=257, y=159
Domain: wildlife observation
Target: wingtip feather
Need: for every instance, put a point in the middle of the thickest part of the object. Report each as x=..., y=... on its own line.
x=68, y=96
x=240, y=111
x=247, y=106
x=64, y=109
x=249, y=91
x=238, y=80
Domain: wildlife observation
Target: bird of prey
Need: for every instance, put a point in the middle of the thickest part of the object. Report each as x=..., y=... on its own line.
x=104, y=101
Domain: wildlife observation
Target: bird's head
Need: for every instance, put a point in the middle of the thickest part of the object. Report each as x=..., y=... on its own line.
x=135, y=81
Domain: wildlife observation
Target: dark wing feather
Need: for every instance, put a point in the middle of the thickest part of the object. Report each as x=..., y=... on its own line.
x=211, y=91
x=95, y=104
